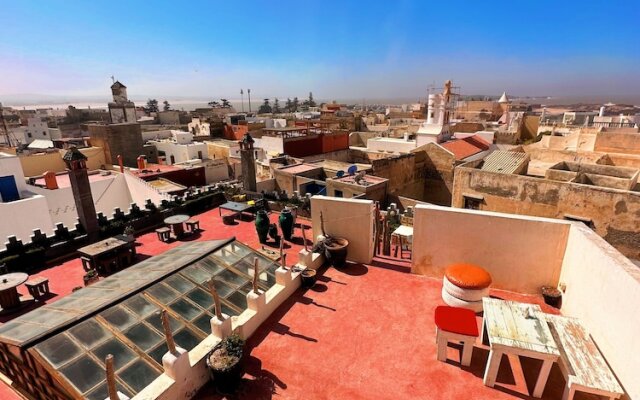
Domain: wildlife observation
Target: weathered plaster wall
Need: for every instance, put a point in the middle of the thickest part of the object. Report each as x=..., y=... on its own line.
x=350, y=219
x=618, y=142
x=118, y=139
x=438, y=169
x=603, y=291
x=615, y=213
x=21, y=217
x=39, y=163
x=521, y=253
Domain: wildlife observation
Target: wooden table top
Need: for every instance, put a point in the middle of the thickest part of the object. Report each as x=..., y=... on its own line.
x=518, y=326
x=102, y=247
x=12, y=280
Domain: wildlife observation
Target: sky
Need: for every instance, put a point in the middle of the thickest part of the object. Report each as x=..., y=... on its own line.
x=336, y=49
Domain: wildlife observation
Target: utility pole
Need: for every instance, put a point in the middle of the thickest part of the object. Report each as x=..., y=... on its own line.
x=249, y=94
x=242, y=99
x=5, y=131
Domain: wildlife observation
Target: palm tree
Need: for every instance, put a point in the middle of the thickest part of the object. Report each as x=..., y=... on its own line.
x=225, y=103
x=214, y=104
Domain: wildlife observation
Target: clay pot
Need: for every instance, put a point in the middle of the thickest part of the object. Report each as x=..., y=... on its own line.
x=262, y=225
x=286, y=224
x=336, y=252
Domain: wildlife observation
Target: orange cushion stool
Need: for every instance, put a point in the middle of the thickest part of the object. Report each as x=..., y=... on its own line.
x=468, y=276
x=454, y=324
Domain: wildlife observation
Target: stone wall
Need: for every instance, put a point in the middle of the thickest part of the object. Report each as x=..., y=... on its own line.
x=614, y=214
x=438, y=168
x=618, y=142
x=118, y=139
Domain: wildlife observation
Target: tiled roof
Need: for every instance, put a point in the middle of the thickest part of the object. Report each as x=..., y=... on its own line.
x=463, y=148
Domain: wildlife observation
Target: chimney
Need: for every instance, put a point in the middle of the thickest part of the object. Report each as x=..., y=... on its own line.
x=120, y=163
x=50, y=180
x=142, y=163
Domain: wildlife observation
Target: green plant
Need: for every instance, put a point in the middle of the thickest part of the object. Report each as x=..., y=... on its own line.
x=227, y=354
x=129, y=230
x=92, y=273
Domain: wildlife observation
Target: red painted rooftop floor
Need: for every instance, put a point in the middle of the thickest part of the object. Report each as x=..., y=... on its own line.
x=367, y=332
x=68, y=275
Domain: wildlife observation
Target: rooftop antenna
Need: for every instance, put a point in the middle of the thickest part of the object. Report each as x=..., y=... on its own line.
x=249, y=94
x=113, y=79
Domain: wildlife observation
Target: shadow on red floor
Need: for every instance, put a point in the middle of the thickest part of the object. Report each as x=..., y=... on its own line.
x=367, y=332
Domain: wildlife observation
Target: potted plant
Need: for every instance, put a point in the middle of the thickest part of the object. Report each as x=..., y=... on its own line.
x=128, y=233
x=335, y=250
x=308, y=277
x=90, y=277
x=225, y=361
x=552, y=296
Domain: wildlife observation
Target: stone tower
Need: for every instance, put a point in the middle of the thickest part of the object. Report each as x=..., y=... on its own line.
x=248, y=162
x=77, y=167
x=121, y=109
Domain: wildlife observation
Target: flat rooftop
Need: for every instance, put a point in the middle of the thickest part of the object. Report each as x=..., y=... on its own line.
x=367, y=332
x=367, y=180
x=299, y=168
x=64, y=182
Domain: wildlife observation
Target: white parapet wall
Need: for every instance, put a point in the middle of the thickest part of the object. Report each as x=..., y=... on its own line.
x=350, y=219
x=603, y=291
x=521, y=253
x=245, y=324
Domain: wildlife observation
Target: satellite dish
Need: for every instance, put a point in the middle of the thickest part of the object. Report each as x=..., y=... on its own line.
x=352, y=170
x=340, y=174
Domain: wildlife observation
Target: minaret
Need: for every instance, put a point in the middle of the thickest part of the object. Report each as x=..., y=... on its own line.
x=77, y=167
x=248, y=163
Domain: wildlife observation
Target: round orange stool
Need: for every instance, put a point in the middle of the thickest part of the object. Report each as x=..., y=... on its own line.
x=464, y=285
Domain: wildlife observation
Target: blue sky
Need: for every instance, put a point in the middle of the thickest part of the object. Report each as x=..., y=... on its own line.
x=347, y=50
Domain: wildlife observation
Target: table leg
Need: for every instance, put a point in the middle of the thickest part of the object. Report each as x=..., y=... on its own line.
x=491, y=372
x=483, y=335
x=542, y=378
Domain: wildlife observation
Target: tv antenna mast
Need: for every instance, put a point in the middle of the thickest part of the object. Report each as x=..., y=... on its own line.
x=4, y=130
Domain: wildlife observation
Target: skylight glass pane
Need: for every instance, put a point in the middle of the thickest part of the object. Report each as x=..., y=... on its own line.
x=140, y=306
x=203, y=322
x=84, y=373
x=89, y=333
x=156, y=321
x=232, y=278
x=223, y=289
x=238, y=299
x=227, y=255
x=163, y=293
x=59, y=349
x=138, y=375
x=185, y=309
x=187, y=339
x=211, y=265
x=100, y=392
x=179, y=283
x=196, y=273
x=119, y=317
x=143, y=336
x=201, y=298
x=159, y=352
x=228, y=310
x=122, y=355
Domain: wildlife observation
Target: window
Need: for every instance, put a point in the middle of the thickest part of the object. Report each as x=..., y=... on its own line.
x=472, y=203
x=200, y=155
x=338, y=193
x=29, y=134
x=173, y=159
x=44, y=133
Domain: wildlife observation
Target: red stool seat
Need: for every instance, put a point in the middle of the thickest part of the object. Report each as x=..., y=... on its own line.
x=456, y=320
x=468, y=276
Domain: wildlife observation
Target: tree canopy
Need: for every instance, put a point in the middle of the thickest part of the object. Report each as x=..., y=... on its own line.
x=265, y=108
x=152, y=106
x=166, y=106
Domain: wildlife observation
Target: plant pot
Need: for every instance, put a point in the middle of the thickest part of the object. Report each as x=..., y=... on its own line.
x=294, y=212
x=226, y=381
x=336, y=252
x=262, y=225
x=286, y=224
x=552, y=296
x=308, y=277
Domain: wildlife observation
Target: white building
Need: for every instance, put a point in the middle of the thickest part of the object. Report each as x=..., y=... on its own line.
x=180, y=148
x=199, y=128
x=37, y=128
x=121, y=109
x=439, y=109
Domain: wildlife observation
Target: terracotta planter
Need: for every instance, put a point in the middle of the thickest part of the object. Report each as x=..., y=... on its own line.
x=552, y=296
x=336, y=252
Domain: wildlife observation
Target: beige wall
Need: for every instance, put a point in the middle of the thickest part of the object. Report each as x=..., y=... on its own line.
x=521, y=253
x=618, y=142
x=613, y=212
x=603, y=291
x=350, y=219
x=38, y=164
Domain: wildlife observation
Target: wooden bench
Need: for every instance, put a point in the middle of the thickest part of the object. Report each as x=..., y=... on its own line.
x=163, y=234
x=584, y=368
x=38, y=287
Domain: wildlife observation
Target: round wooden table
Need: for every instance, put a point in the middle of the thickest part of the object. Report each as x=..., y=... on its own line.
x=176, y=223
x=9, y=283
